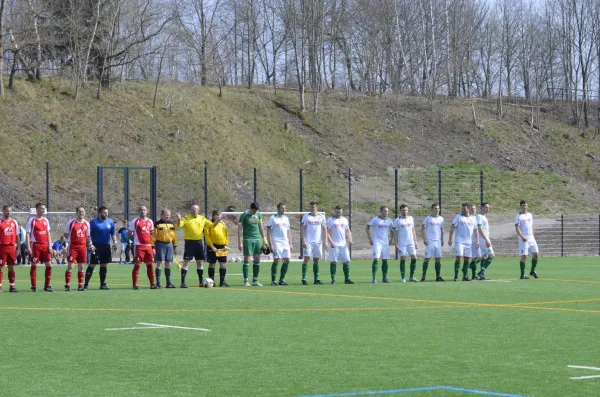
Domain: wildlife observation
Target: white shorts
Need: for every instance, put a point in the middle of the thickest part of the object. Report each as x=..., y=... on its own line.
x=313, y=250
x=463, y=249
x=339, y=254
x=123, y=246
x=381, y=250
x=433, y=250
x=475, y=252
x=484, y=249
x=281, y=251
x=406, y=250
x=528, y=248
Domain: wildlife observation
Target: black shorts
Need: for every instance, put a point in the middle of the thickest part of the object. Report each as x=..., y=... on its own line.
x=193, y=249
x=102, y=255
x=212, y=258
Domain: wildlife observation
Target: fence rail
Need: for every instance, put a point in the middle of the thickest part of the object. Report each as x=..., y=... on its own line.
x=66, y=186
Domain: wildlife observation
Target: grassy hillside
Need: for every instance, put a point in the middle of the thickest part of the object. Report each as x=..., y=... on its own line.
x=553, y=165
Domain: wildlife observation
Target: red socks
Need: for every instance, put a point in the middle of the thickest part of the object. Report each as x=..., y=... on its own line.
x=11, y=277
x=150, y=273
x=48, y=274
x=32, y=276
x=135, y=273
x=80, y=276
x=68, y=275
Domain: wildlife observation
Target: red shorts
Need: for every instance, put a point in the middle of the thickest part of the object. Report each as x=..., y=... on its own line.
x=143, y=254
x=77, y=254
x=40, y=253
x=8, y=255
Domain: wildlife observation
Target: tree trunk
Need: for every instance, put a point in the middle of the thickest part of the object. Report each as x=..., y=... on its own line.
x=2, y=4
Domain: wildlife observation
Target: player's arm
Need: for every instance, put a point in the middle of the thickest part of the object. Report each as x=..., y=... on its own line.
x=414, y=232
x=226, y=232
x=349, y=236
x=208, y=237
x=261, y=229
x=442, y=235
x=476, y=231
x=289, y=233
x=452, y=228
x=369, y=234
x=424, y=235
x=302, y=235
x=239, y=234
x=270, y=237
x=484, y=236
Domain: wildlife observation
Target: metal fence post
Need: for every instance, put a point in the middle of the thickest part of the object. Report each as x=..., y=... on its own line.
x=255, y=178
x=598, y=234
x=99, y=185
x=350, y=203
x=480, y=187
x=126, y=191
x=301, y=181
x=154, y=192
x=440, y=189
x=562, y=235
x=395, y=203
x=47, y=185
x=206, y=188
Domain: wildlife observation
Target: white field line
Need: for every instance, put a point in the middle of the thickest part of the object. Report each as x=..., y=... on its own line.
x=583, y=367
x=585, y=377
x=498, y=281
x=156, y=326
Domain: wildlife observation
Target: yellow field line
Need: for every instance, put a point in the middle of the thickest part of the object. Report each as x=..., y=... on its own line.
x=241, y=310
x=557, y=302
x=572, y=281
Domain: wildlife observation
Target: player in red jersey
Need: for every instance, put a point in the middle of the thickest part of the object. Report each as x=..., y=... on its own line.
x=38, y=246
x=78, y=232
x=9, y=228
x=141, y=230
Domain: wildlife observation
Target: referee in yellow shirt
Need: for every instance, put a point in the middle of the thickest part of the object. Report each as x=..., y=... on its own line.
x=193, y=230
x=164, y=243
x=217, y=240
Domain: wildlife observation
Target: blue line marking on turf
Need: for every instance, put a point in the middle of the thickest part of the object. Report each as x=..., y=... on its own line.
x=419, y=389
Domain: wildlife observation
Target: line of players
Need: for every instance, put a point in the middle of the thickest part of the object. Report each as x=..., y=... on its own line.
x=471, y=232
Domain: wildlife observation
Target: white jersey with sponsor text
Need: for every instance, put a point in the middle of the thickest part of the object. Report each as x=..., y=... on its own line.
x=405, y=228
x=525, y=223
x=279, y=225
x=337, y=230
x=483, y=222
x=433, y=227
x=313, y=226
x=381, y=229
x=464, y=228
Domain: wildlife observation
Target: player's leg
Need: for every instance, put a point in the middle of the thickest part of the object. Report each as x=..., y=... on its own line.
x=332, y=263
x=345, y=258
x=523, y=251
x=188, y=255
x=69, y=270
x=385, y=257
x=284, y=268
x=274, y=269
x=306, y=252
x=317, y=253
x=199, y=254
x=80, y=272
x=533, y=250
x=1, y=270
x=247, y=258
x=89, y=271
x=135, y=272
x=46, y=258
x=168, y=274
x=413, y=263
x=375, y=265
x=11, y=278
x=256, y=251
x=403, y=256
x=222, y=271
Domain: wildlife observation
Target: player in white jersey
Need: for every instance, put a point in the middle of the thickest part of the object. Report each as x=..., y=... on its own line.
x=485, y=245
x=464, y=225
x=475, y=247
x=378, y=232
x=338, y=236
x=433, y=238
x=280, y=241
x=527, y=243
x=313, y=233
x=406, y=242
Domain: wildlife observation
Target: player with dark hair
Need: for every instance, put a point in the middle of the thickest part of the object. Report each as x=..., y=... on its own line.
x=487, y=251
x=251, y=240
x=464, y=225
x=405, y=238
x=38, y=246
x=378, y=231
x=527, y=243
x=280, y=243
x=313, y=235
x=433, y=239
x=339, y=236
x=9, y=229
x=77, y=231
x=102, y=232
x=217, y=240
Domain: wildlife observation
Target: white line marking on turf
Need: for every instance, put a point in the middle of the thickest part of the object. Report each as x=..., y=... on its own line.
x=584, y=377
x=156, y=326
x=582, y=367
x=498, y=281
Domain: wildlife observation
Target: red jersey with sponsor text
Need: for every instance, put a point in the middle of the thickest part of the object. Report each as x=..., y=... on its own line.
x=9, y=229
x=38, y=230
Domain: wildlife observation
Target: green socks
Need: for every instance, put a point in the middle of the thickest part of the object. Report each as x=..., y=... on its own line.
x=284, y=270
x=438, y=269
x=473, y=266
x=425, y=266
x=413, y=267
x=255, y=270
x=522, y=265
x=456, y=268
x=346, y=267
x=315, y=271
x=304, y=268
x=274, y=271
x=374, y=268
x=533, y=265
x=402, y=268
x=245, y=267
x=332, y=270
x=384, y=268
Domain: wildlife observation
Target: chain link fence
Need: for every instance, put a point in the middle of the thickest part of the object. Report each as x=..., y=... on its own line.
x=361, y=195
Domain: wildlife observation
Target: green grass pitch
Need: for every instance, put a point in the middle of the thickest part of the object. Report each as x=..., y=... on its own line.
x=508, y=336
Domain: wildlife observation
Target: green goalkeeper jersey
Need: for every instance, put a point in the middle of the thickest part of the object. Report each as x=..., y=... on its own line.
x=251, y=225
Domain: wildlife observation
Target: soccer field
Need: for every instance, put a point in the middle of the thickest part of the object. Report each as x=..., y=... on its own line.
x=505, y=337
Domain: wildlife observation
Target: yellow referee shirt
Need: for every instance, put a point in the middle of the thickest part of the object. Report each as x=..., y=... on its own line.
x=193, y=227
x=217, y=234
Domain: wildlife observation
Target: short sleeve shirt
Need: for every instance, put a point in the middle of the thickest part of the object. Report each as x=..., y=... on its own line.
x=337, y=230
x=279, y=226
x=525, y=223
x=78, y=231
x=465, y=225
x=381, y=229
x=433, y=227
x=9, y=229
x=405, y=228
x=142, y=231
x=313, y=226
x=251, y=225
x=38, y=230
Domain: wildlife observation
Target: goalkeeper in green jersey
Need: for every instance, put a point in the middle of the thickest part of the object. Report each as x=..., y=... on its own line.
x=251, y=230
